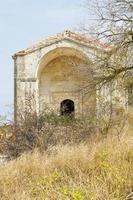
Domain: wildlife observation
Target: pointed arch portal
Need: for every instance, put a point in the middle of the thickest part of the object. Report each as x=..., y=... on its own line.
x=61, y=74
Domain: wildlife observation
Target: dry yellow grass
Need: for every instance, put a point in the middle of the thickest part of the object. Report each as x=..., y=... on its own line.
x=99, y=170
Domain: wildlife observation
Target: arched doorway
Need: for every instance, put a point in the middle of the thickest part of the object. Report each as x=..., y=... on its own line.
x=61, y=74
x=67, y=107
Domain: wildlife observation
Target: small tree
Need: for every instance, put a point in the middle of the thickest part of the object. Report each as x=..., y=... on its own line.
x=113, y=24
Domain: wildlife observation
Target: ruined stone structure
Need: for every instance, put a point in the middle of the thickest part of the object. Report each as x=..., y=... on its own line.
x=56, y=72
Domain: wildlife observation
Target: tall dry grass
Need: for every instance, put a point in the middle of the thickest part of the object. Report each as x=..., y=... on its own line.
x=101, y=169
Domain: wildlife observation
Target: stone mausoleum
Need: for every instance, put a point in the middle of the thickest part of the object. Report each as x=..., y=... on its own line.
x=56, y=73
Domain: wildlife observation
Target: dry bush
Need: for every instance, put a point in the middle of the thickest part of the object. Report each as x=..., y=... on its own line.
x=48, y=129
x=100, y=169
x=114, y=121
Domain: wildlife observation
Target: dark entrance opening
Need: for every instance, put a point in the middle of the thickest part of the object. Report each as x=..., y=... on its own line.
x=67, y=107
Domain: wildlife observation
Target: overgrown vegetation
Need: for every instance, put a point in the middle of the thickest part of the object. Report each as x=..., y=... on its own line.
x=48, y=129
x=61, y=157
x=100, y=168
x=65, y=158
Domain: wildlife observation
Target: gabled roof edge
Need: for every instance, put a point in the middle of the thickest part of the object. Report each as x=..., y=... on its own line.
x=73, y=36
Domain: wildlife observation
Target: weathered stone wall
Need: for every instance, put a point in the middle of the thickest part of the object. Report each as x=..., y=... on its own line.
x=52, y=82
x=57, y=72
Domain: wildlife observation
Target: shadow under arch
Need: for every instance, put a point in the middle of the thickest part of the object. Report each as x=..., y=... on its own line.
x=67, y=108
x=57, y=52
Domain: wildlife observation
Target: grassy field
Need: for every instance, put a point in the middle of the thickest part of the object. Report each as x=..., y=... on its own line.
x=101, y=169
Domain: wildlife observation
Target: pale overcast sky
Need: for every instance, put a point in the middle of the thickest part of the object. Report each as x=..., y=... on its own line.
x=25, y=22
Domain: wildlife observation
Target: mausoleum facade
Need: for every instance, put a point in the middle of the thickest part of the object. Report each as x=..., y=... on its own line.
x=56, y=73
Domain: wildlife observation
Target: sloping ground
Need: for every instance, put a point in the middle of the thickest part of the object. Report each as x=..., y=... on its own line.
x=99, y=170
